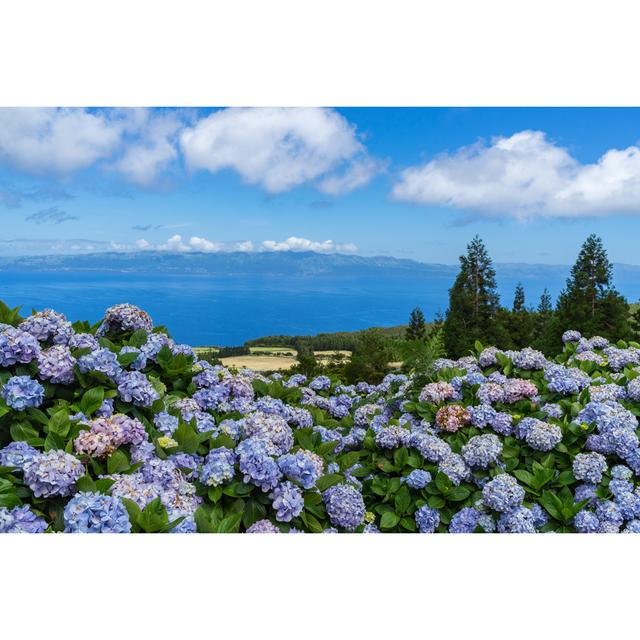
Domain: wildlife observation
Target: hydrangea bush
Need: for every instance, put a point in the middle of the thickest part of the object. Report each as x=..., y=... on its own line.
x=115, y=428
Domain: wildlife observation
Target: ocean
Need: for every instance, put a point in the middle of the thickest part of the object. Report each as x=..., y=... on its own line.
x=204, y=310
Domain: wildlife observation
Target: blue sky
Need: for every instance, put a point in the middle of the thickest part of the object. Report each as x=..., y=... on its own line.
x=414, y=183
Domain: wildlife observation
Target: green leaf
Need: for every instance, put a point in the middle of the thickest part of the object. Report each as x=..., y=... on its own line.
x=23, y=431
x=401, y=457
x=153, y=517
x=132, y=509
x=408, y=523
x=231, y=524
x=402, y=499
x=253, y=511
x=138, y=338
x=186, y=436
x=205, y=523
x=552, y=504
x=458, y=493
x=86, y=483
x=237, y=489
x=436, y=502
x=125, y=359
x=525, y=476
x=329, y=480
x=53, y=441
x=214, y=494
x=389, y=520
x=59, y=423
x=347, y=460
x=91, y=400
x=443, y=483
x=117, y=462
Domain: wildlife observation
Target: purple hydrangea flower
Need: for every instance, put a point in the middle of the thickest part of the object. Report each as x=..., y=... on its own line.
x=135, y=387
x=17, y=454
x=258, y=467
x=22, y=392
x=482, y=451
x=17, y=347
x=53, y=473
x=465, y=520
x=287, y=501
x=56, y=365
x=263, y=526
x=101, y=361
x=21, y=520
x=124, y=318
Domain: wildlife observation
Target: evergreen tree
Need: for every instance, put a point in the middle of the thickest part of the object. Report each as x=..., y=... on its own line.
x=634, y=322
x=518, y=299
x=473, y=303
x=543, y=339
x=545, y=306
x=519, y=321
x=417, y=328
x=589, y=302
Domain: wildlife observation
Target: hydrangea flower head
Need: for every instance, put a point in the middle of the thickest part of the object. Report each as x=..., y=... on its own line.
x=89, y=512
x=344, y=505
x=22, y=392
x=53, y=473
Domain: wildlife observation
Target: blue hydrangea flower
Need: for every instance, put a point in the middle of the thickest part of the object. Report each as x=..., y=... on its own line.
x=417, y=479
x=258, y=467
x=134, y=387
x=464, y=521
x=589, y=467
x=21, y=520
x=140, y=362
x=17, y=454
x=48, y=326
x=482, y=451
x=633, y=526
x=427, y=519
x=321, y=383
x=165, y=423
x=101, y=361
x=89, y=512
x=287, y=501
x=22, y=392
x=455, y=468
x=519, y=520
x=543, y=436
x=218, y=467
x=300, y=467
x=430, y=447
x=392, y=437
x=540, y=517
x=586, y=522
x=344, y=505
x=503, y=493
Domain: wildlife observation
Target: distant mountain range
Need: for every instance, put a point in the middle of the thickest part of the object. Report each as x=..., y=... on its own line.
x=292, y=264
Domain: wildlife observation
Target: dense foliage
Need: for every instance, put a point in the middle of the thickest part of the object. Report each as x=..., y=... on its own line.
x=115, y=428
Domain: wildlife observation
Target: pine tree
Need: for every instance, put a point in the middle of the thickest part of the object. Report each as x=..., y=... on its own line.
x=473, y=303
x=589, y=302
x=417, y=328
x=545, y=306
x=518, y=299
x=543, y=339
x=519, y=321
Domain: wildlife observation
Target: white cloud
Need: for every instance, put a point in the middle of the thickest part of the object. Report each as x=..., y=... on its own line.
x=276, y=148
x=154, y=147
x=302, y=244
x=178, y=244
x=356, y=175
x=525, y=176
x=59, y=140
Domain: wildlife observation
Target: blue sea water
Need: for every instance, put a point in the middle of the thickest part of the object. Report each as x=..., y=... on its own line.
x=206, y=310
